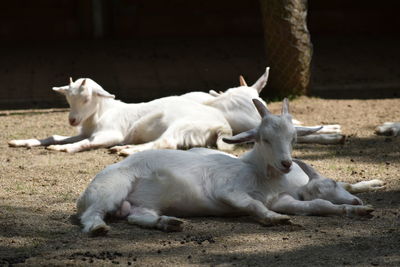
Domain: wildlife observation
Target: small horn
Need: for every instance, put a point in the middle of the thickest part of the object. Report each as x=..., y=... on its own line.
x=83, y=82
x=285, y=106
x=70, y=80
x=242, y=81
x=213, y=93
x=261, y=108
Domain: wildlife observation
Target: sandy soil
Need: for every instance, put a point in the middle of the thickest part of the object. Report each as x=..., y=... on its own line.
x=38, y=190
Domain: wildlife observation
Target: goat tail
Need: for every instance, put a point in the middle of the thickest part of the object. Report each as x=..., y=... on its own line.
x=81, y=204
x=106, y=192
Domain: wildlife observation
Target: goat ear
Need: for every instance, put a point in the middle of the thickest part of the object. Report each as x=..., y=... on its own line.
x=62, y=90
x=105, y=94
x=102, y=93
x=244, y=137
x=83, y=82
x=71, y=81
x=302, y=131
x=262, y=81
x=285, y=107
x=261, y=108
x=310, y=171
x=214, y=93
x=242, y=81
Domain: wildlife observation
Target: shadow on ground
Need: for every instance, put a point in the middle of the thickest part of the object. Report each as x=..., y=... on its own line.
x=373, y=149
x=51, y=238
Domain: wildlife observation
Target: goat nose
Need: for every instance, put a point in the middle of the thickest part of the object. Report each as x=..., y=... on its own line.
x=286, y=163
x=72, y=121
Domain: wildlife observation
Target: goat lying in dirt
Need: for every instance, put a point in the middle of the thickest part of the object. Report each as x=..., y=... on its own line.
x=151, y=187
x=162, y=123
x=236, y=106
x=389, y=129
x=169, y=122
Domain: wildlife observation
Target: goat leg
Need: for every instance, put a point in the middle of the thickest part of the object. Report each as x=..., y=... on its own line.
x=102, y=139
x=52, y=140
x=245, y=203
x=363, y=186
x=289, y=205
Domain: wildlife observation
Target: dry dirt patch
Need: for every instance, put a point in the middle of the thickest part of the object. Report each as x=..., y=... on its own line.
x=38, y=189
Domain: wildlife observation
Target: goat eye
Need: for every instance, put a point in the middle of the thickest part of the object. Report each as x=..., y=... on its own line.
x=266, y=141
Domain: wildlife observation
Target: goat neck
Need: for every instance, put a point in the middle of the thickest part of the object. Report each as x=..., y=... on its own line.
x=103, y=106
x=256, y=157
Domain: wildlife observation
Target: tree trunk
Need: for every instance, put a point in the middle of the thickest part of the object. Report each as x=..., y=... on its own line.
x=288, y=46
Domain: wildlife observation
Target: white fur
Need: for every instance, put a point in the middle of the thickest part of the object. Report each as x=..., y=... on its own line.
x=389, y=129
x=151, y=187
x=237, y=107
x=170, y=122
x=163, y=123
x=235, y=104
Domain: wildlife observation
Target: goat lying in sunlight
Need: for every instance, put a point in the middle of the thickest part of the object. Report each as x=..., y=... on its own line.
x=169, y=122
x=163, y=123
x=150, y=188
x=235, y=103
x=236, y=106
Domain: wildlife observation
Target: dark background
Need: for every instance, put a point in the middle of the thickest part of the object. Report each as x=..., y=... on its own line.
x=140, y=50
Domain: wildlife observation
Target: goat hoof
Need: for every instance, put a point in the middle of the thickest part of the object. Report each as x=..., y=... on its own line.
x=117, y=149
x=112, y=151
x=388, y=129
x=386, y=132
x=126, y=152
x=376, y=184
x=368, y=209
x=173, y=228
x=174, y=221
x=23, y=143
x=282, y=219
x=54, y=148
x=62, y=148
x=171, y=224
x=359, y=211
x=13, y=143
x=174, y=225
x=279, y=219
x=99, y=230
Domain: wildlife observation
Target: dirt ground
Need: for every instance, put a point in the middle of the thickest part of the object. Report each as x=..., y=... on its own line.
x=38, y=190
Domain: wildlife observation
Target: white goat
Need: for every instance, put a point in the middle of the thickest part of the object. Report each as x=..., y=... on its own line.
x=389, y=129
x=237, y=107
x=150, y=187
x=235, y=103
x=170, y=122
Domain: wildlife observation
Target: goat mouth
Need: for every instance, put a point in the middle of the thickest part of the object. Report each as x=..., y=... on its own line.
x=284, y=170
x=75, y=123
